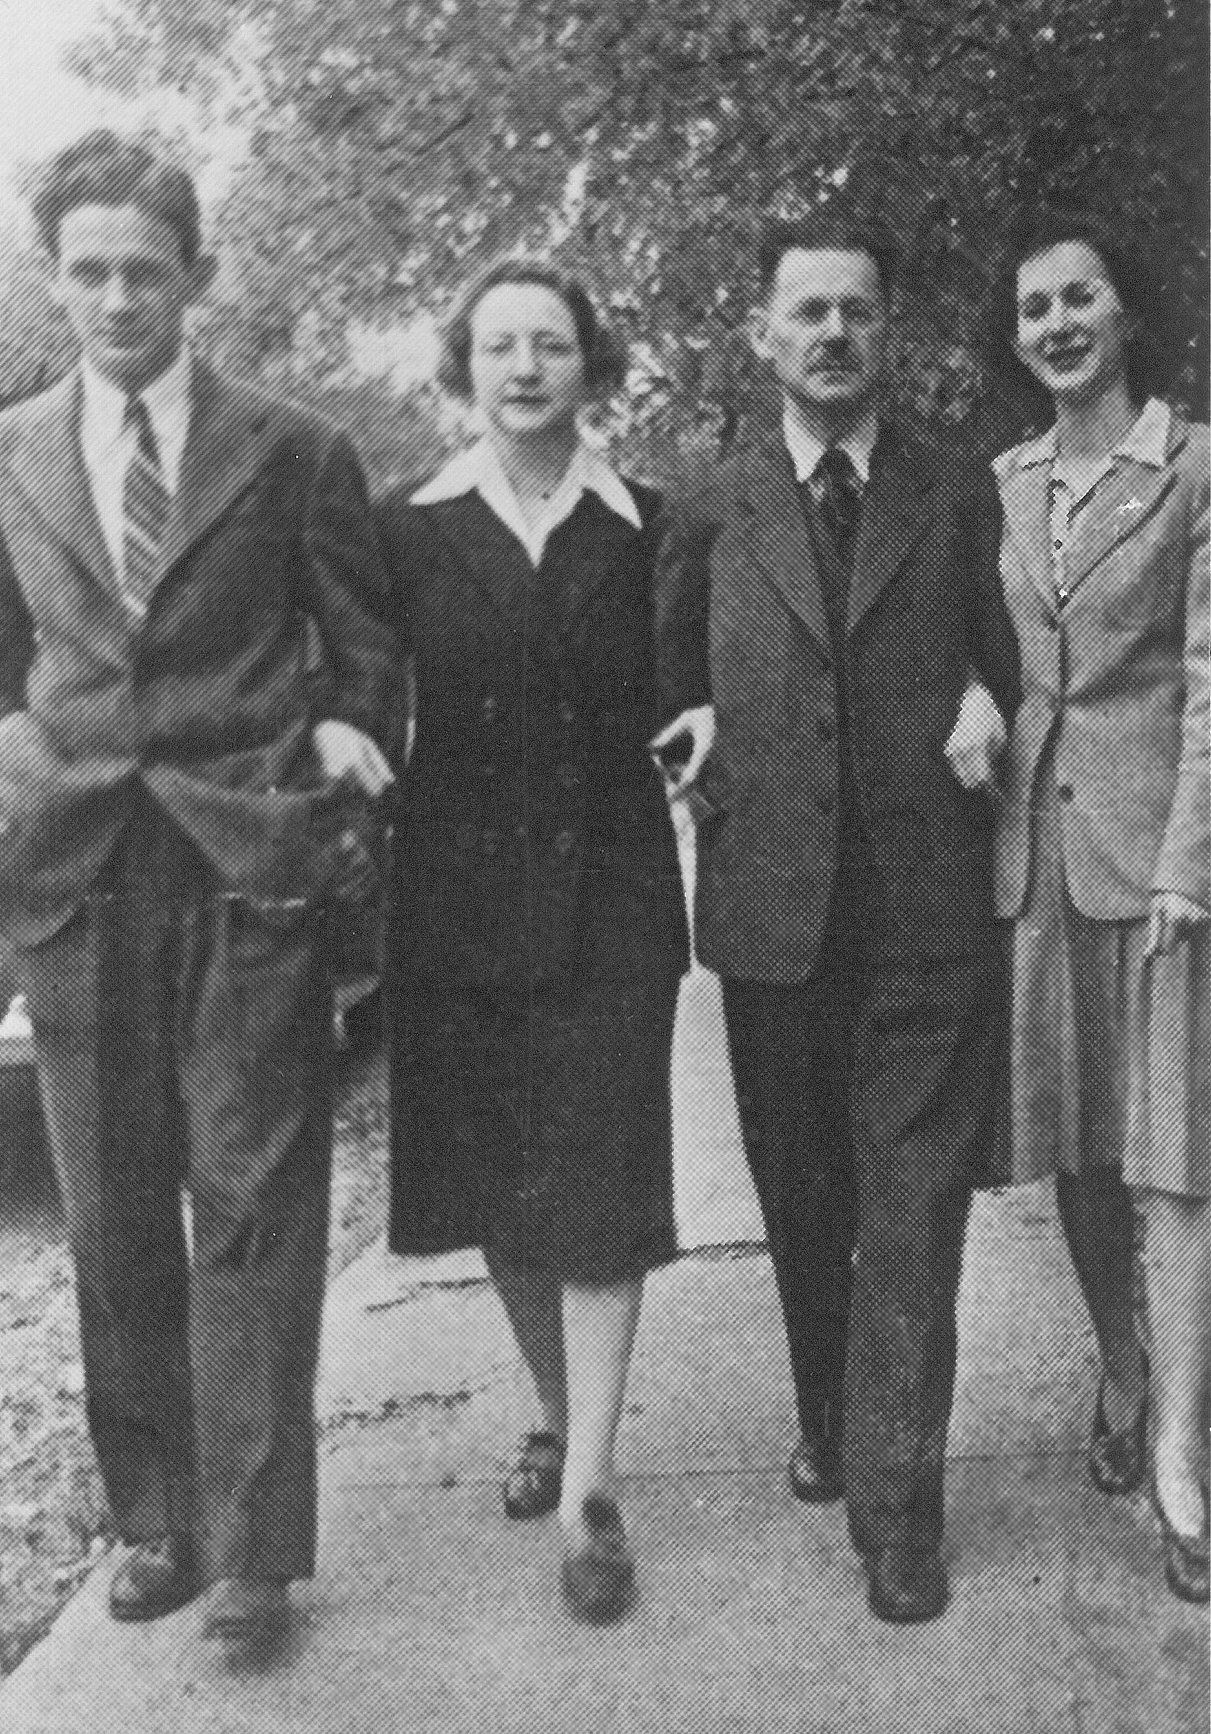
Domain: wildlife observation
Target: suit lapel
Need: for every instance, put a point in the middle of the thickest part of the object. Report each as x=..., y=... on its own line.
x=894, y=517
x=1119, y=507
x=780, y=541
x=230, y=434
x=49, y=465
x=1026, y=502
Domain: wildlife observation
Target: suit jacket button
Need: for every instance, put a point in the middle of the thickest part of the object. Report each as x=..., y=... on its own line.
x=564, y=843
x=1065, y=791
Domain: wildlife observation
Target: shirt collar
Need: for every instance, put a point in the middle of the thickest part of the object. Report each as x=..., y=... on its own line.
x=479, y=470
x=169, y=401
x=806, y=450
x=1147, y=442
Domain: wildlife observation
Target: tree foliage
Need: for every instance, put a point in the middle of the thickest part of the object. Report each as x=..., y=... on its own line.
x=395, y=144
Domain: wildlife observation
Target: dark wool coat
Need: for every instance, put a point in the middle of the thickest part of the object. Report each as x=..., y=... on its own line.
x=538, y=930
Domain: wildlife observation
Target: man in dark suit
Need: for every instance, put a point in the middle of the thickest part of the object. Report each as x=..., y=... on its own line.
x=174, y=812
x=842, y=596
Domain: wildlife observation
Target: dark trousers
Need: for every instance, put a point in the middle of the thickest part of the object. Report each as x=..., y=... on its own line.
x=184, y=1038
x=866, y=1102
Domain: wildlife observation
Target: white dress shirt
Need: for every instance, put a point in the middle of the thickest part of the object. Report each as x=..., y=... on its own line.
x=806, y=450
x=107, y=446
x=479, y=470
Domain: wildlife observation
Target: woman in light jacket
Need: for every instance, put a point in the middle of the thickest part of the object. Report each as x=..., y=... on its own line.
x=1104, y=846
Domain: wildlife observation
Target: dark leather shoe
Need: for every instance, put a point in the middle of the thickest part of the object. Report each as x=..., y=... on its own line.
x=1117, y=1460
x=246, y=1610
x=156, y=1578
x=598, y=1575
x=535, y=1482
x=907, y=1584
x=1186, y=1556
x=814, y=1470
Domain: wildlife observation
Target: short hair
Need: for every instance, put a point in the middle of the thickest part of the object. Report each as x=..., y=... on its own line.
x=832, y=228
x=103, y=169
x=604, y=356
x=1147, y=352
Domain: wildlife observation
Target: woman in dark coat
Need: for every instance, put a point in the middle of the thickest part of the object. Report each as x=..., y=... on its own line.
x=538, y=932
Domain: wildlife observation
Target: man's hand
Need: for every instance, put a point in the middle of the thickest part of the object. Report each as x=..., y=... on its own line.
x=681, y=772
x=977, y=739
x=344, y=751
x=1173, y=918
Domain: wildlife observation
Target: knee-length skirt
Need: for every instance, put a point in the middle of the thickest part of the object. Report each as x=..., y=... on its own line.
x=537, y=1124
x=1108, y=1052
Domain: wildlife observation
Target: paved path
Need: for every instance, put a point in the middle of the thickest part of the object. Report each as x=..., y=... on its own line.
x=433, y=1615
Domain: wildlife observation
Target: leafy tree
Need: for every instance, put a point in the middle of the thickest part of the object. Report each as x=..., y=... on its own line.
x=395, y=144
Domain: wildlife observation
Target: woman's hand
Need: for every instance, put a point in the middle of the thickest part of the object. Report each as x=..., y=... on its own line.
x=345, y=751
x=977, y=740
x=1173, y=918
x=697, y=725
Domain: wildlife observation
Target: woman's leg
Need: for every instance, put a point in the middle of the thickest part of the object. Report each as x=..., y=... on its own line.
x=532, y=1301
x=598, y=1332
x=1095, y=1209
x=1177, y=1276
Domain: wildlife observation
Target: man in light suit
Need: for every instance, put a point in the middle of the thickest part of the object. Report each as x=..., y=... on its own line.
x=841, y=591
x=174, y=811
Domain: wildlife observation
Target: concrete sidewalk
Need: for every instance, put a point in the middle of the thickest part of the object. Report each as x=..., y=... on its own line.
x=432, y=1613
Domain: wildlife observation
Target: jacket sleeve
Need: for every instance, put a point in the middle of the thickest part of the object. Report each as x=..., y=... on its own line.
x=345, y=593
x=16, y=637
x=1184, y=862
x=991, y=638
x=682, y=594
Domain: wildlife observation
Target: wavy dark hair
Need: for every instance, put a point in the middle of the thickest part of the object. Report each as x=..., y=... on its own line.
x=103, y=169
x=1149, y=353
x=604, y=356
x=834, y=227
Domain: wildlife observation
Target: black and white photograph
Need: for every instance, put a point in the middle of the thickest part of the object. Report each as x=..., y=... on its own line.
x=605, y=866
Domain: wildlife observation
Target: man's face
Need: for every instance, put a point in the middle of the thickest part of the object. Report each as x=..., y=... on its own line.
x=823, y=329
x=124, y=286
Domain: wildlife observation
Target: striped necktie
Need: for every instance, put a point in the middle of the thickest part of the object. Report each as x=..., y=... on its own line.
x=145, y=504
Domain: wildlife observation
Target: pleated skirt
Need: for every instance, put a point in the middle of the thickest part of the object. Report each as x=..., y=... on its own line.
x=1109, y=1050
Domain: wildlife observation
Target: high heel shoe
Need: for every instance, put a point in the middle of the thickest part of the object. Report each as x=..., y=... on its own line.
x=1117, y=1460
x=598, y=1573
x=535, y=1481
x=1186, y=1556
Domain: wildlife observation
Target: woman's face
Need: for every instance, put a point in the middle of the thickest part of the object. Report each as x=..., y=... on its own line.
x=1071, y=325
x=527, y=368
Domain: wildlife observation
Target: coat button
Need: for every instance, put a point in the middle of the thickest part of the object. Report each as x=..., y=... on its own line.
x=491, y=708
x=564, y=843
x=1052, y=624
x=1065, y=791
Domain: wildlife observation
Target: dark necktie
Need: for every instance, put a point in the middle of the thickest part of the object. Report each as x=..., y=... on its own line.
x=145, y=503
x=837, y=491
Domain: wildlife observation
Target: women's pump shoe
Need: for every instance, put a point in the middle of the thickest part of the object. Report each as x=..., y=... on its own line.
x=534, y=1484
x=598, y=1572
x=1117, y=1460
